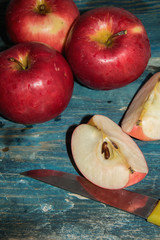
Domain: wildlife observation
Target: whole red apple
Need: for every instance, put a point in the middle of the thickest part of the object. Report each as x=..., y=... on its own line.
x=107, y=48
x=46, y=21
x=36, y=83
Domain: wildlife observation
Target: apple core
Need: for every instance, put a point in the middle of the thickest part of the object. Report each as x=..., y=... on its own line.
x=111, y=151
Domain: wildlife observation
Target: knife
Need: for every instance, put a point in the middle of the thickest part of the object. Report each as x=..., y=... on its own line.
x=132, y=202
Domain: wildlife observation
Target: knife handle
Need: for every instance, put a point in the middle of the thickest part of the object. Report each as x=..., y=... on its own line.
x=154, y=217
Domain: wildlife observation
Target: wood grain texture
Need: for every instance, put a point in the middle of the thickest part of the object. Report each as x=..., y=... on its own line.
x=32, y=210
x=134, y=6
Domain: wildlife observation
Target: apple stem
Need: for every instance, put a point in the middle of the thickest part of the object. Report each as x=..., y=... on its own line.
x=123, y=32
x=18, y=62
x=138, y=123
x=131, y=170
x=109, y=41
x=42, y=9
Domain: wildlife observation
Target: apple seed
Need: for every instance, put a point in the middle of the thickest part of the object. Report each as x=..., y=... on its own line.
x=114, y=145
x=110, y=150
x=105, y=150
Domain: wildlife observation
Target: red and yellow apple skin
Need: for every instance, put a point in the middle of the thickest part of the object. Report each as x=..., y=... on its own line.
x=99, y=58
x=36, y=83
x=46, y=21
x=135, y=178
x=137, y=132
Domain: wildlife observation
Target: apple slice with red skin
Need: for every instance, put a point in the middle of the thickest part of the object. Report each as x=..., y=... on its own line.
x=142, y=118
x=107, y=156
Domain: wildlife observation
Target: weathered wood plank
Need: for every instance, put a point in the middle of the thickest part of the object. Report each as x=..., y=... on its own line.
x=135, y=7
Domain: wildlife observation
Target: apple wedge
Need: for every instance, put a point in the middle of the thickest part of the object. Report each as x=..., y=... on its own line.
x=142, y=118
x=107, y=156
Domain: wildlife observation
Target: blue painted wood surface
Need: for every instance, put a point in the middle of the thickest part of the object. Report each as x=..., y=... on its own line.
x=32, y=210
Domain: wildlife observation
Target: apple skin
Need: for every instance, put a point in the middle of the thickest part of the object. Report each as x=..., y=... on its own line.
x=137, y=133
x=101, y=66
x=24, y=22
x=41, y=91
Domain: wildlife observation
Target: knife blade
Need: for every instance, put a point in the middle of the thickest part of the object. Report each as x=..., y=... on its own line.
x=138, y=204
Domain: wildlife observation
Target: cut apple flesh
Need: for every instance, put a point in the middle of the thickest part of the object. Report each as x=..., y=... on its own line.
x=106, y=155
x=142, y=119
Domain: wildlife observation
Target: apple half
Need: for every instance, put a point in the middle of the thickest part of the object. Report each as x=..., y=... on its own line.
x=107, y=156
x=142, y=118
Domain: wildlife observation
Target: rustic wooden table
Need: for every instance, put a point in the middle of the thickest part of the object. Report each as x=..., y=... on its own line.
x=32, y=210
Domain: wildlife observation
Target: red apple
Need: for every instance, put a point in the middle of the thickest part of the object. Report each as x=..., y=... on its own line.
x=36, y=83
x=107, y=156
x=107, y=48
x=142, y=118
x=46, y=21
